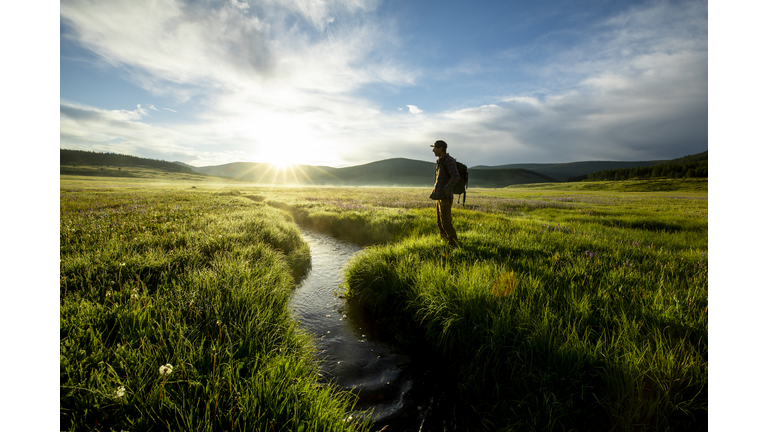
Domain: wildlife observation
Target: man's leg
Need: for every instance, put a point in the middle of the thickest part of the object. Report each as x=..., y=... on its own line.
x=446, y=222
x=443, y=233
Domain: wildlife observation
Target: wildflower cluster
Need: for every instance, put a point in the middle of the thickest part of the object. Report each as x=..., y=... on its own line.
x=556, y=228
x=166, y=369
x=586, y=212
x=119, y=393
x=626, y=264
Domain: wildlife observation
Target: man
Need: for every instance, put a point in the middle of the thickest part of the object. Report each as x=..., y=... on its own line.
x=446, y=176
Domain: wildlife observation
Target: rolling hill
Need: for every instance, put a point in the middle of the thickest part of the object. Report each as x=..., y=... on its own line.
x=388, y=172
x=564, y=171
x=572, y=170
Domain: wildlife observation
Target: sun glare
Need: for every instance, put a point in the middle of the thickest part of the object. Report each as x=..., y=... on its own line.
x=281, y=165
x=279, y=159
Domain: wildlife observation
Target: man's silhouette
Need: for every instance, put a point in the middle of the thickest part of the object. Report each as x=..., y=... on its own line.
x=446, y=176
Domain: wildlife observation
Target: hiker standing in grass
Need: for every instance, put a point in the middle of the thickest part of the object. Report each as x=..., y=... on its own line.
x=446, y=176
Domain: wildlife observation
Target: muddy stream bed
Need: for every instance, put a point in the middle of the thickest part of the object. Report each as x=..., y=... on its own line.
x=406, y=392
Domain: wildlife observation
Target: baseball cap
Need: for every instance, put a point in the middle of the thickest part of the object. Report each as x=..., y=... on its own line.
x=440, y=143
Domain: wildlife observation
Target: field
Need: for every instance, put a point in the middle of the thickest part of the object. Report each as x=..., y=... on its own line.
x=567, y=307
x=173, y=315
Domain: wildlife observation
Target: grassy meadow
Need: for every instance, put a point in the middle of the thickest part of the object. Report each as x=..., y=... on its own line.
x=173, y=315
x=567, y=307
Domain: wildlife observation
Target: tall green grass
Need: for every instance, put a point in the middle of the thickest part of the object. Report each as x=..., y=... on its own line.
x=562, y=310
x=196, y=280
x=603, y=325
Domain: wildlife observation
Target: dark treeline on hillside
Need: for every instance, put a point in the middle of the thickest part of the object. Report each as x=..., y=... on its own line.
x=691, y=166
x=81, y=157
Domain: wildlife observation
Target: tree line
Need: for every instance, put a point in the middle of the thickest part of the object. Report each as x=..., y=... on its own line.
x=692, y=166
x=92, y=158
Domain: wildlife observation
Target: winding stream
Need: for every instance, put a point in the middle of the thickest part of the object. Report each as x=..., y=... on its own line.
x=403, y=394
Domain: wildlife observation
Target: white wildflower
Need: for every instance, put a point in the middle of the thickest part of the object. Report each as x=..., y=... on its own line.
x=166, y=370
x=120, y=392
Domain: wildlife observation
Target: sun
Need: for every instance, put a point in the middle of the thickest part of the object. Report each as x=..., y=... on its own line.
x=280, y=165
x=279, y=159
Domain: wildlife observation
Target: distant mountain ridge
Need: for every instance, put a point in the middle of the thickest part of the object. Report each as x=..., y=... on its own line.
x=388, y=172
x=83, y=157
x=691, y=166
x=570, y=170
x=565, y=171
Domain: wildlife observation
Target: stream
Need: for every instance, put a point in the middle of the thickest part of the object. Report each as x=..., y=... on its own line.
x=405, y=393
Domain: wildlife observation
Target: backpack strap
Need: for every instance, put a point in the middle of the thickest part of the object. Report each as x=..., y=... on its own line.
x=466, y=186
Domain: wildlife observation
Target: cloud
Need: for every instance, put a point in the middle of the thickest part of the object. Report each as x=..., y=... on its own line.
x=83, y=113
x=85, y=127
x=243, y=6
x=168, y=109
x=273, y=74
x=413, y=109
x=203, y=48
x=635, y=89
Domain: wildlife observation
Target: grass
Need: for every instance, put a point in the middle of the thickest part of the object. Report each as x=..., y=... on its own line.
x=634, y=185
x=566, y=308
x=198, y=280
x=562, y=310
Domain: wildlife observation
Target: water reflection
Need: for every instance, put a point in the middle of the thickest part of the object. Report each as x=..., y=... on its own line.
x=404, y=393
x=350, y=358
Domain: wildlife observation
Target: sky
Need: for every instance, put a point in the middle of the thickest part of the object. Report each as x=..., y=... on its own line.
x=346, y=82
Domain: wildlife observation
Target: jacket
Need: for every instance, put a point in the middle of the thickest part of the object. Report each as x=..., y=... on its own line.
x=445, y=178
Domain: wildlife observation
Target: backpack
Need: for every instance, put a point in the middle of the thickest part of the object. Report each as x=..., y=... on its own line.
x=461, y=187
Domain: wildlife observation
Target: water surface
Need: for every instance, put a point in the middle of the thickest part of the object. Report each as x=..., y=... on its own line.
x=401, y=394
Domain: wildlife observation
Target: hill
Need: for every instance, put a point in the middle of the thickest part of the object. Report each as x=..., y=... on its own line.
x=565, y=171
x=388, y=172
x=74, y=158
x=691, y=166
x=96, y=164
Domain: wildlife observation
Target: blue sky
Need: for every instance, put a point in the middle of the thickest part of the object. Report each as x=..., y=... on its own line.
x=345, y=82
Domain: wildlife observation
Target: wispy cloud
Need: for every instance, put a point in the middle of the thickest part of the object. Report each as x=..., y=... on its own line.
x=244, y=6
x=636, y=87
x=120, y=131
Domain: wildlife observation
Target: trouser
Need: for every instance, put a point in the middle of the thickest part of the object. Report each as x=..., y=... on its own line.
x=445, y=223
